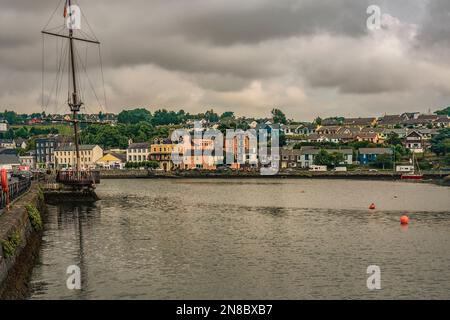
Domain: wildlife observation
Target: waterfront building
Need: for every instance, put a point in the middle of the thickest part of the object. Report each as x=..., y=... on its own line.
x=161, y=152
x=65, y=156
x=290, y=158
x=9, y=161
x=369, y=155
x=28, y=160
x=206, y=159
x=45, y=148
x=112, y=160
x=247, y=158
x=307, y=156
x=138, y=152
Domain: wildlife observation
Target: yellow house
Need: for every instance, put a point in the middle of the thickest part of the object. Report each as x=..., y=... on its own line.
x=65, y=156
x=161, y=151
x=112, y=160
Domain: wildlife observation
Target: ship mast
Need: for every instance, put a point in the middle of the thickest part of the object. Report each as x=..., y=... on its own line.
x=75, y=105
x=74, y=101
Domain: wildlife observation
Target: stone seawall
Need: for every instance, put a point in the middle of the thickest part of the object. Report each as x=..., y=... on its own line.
x=297, y=174
x=20, y=238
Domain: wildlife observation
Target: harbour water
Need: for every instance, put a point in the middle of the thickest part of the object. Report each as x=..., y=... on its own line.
x=248, y=239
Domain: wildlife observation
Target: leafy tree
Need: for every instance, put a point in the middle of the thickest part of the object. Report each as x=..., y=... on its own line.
x=105, y=136
x=383, y=161
x=393, y=139
x=22, y=133
x=447, y=159
x=282, y=142
x=323, y=158
x=337, y=158
x=278, y=116
x=227, y=115
x=134, y=116
x=211, y=116
x=164, y=117
x=440, y=144
x=12, y=117
x=318, y=121
x=445, y=111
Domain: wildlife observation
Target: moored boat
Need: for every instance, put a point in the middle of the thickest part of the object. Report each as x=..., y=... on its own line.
x=414, y=176
x=74, y=183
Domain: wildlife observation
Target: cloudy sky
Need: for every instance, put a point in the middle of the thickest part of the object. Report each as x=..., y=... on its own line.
x=307, y=57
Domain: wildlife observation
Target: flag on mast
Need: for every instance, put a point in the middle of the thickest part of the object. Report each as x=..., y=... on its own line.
x=65, y=10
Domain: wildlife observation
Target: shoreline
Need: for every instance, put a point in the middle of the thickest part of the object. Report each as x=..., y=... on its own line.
x=352, y=175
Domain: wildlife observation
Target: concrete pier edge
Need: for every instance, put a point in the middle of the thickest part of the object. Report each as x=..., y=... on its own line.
x=16, y=269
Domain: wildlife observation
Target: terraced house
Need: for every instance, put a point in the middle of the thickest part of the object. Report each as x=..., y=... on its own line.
x=65, y=156
x=161, y=152
x=138, y=152
x=307, y=156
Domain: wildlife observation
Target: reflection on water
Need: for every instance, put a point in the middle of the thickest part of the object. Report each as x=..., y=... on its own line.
x=248, y=239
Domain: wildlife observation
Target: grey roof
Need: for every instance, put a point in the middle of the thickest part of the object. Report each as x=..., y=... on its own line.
x=390, y=119
x=9, y=159
x=290, y=152
x=8, y=151
x=359, y=121
x=316, y=151
x=141, y=145
x=375, y=151
x=84, y=147
x=377, y=130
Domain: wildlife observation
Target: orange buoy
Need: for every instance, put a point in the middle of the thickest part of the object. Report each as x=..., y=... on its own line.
x=404, y=220
x=372, y=206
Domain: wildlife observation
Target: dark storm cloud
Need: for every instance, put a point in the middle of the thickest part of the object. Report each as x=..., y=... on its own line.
x=435, y=29
x=257, y=21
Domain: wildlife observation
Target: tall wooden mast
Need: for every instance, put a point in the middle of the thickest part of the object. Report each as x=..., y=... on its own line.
x=76, y=104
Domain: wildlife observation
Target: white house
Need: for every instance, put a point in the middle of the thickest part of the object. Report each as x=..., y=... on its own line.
x=307, y=156
x=3, y=126
x=9, y=161
x=7, y=144
x=138, y=152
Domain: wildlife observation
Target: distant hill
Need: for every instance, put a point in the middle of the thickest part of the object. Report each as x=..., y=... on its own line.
x=445, y=111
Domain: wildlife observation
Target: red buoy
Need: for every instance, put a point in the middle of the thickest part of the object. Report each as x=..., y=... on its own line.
x=404, y=220
x=372, y=206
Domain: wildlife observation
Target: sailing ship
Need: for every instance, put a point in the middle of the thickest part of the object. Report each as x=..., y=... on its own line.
x=75, y=183
x=414, y=175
